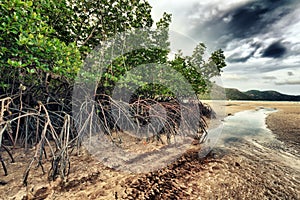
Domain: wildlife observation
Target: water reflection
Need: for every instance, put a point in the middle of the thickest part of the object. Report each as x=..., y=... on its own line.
x=245, y=136
x=243, y=126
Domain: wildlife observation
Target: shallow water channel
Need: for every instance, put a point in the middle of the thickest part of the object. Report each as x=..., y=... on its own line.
x=244, y=126
x=247, y=133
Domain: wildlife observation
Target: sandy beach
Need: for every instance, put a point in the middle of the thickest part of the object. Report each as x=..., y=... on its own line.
x=247, y=170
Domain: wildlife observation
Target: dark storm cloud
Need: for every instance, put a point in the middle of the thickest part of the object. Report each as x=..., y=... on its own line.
x=243, y=21
x=275, y=50
x=255, y=17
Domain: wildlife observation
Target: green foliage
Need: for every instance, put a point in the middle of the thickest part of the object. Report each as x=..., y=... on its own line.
x=28, y=49
x=198, y=71
x=88, y=22
x=43, y=43
x=157, y=51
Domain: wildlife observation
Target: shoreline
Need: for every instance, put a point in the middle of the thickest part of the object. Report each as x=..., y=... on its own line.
x=285, y=123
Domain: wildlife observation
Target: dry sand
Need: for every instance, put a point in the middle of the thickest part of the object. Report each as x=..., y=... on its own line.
x=242, y=171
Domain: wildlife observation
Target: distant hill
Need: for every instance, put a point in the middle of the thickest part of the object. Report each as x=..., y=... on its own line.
x=257, y=95
x=251, y=95
x=235, y=94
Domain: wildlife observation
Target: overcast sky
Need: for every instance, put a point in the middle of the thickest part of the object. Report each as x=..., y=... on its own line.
x=261, y=39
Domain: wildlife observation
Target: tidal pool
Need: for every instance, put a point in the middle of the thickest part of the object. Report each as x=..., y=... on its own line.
x=244, y=126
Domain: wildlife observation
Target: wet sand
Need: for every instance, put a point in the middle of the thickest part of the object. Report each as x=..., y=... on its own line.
x=285, y=123
x=247, y=170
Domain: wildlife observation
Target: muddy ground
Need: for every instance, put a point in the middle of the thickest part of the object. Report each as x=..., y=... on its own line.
x=237, y=171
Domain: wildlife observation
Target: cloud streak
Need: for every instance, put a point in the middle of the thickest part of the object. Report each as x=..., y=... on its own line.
x=288, y=82
x=269, y=77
